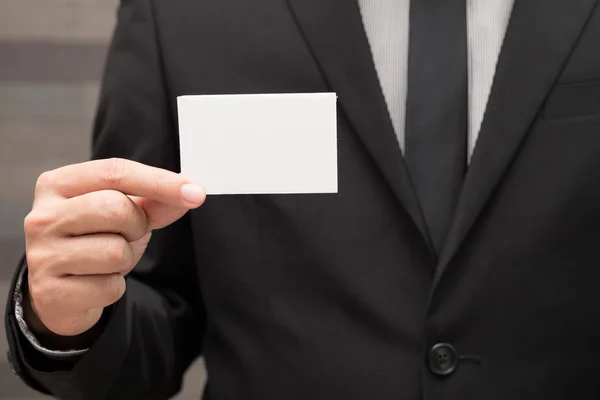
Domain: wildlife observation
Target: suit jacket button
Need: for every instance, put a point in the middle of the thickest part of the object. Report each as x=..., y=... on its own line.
x=442, y=359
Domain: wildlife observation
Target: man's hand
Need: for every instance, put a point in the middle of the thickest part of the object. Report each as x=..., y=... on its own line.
x=88, y=228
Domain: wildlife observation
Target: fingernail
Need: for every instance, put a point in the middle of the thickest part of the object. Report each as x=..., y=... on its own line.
x=193, y=194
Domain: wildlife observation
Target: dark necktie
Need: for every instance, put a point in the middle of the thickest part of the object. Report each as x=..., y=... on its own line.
x=436, y=109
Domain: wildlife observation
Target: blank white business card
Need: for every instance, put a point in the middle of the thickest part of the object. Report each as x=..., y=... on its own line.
x=260, y=143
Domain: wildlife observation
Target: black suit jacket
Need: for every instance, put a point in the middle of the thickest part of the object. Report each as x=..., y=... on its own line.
x=342, y=296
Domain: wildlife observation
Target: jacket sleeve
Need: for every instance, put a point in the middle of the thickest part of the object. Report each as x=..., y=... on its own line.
x=154, y=332
x=18, y=296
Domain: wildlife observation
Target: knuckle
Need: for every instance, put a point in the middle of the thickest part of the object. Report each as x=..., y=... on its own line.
x=123, y=214
x=38, y=220
x=117, y=252
x=114, y=172
x=45, y=180
x=38, y=259
x=115, y=288
x=116, y=205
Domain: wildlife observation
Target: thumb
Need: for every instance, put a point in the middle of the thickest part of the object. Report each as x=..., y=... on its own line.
x=159, y=214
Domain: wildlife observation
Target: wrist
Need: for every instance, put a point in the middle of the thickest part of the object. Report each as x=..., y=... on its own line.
x=51, y=340
x=33, y=321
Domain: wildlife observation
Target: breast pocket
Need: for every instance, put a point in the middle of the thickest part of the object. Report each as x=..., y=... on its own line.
x=572, y=100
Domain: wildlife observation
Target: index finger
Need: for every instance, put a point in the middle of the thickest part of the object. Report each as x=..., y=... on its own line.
x=126, y=176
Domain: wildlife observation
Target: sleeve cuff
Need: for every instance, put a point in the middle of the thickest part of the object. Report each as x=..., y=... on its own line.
x=35, y=343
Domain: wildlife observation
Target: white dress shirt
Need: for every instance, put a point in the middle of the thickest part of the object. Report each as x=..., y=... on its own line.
x=386, y=24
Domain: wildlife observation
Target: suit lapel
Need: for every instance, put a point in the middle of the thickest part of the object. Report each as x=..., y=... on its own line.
x=334, y=32
x=539, y=39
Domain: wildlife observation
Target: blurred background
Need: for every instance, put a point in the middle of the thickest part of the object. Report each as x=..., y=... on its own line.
x=51, y=58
